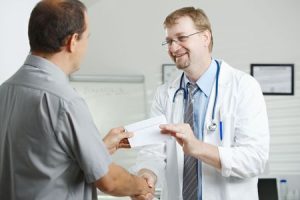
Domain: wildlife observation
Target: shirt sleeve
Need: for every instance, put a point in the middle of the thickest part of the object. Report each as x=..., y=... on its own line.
x=80, y=139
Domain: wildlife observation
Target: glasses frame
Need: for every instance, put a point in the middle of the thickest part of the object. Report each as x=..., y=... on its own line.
x=178, y=40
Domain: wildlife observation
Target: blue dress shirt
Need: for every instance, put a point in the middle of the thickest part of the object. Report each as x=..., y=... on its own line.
x=201, y=99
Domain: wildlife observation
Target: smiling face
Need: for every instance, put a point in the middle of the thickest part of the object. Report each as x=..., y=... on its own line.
x=193, y=50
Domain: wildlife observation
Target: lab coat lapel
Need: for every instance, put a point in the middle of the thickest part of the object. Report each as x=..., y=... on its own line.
x=223, y=84
x=172, y=88
x=180, y=156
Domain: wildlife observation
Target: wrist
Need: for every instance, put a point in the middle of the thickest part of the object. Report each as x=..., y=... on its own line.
x=197, y=151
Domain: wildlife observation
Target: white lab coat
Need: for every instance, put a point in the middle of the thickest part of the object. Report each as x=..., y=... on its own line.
x=243, y=151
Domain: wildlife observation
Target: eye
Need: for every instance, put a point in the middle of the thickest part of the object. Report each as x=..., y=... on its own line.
x=168, y=41
x=182, y=38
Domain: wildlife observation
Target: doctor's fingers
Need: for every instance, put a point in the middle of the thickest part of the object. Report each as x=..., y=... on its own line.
x=185, y=137
x=176, y=128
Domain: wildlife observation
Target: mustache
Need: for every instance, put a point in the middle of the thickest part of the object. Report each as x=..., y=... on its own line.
x=180, y=52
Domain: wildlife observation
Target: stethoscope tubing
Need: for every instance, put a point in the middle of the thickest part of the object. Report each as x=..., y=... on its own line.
x=217, y=89
x=185, y=94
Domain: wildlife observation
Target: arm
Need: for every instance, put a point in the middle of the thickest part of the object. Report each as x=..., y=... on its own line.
x=80, y=139
x=247, y=154
x=119, y=182
x=118, y=138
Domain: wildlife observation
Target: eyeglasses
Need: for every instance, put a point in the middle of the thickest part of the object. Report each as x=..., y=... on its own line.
x=178, y=40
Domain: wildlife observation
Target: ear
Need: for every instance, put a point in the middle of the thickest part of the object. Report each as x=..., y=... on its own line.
x=72, y=42
x=206, y=38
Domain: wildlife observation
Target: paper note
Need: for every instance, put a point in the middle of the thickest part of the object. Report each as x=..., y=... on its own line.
x=147, y=132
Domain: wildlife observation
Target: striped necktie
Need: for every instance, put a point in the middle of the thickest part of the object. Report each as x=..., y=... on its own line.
x=190, y=178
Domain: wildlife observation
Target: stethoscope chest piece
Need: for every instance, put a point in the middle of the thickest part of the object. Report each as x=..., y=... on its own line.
x=212, y=126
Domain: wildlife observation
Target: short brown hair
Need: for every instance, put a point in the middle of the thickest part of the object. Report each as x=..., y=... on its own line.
x=52, y=22
x=198, y=16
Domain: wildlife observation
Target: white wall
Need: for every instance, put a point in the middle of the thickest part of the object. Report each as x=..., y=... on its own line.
x=126, y=37
x=14, y=45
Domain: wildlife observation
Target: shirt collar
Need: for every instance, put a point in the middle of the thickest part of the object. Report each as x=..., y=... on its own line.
x=46, y=66
x=206, y=81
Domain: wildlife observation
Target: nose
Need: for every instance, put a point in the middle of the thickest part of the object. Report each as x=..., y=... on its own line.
x=174, y=46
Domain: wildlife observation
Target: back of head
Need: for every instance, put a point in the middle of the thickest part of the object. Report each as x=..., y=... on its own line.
x=198, y=16
x=52, y=22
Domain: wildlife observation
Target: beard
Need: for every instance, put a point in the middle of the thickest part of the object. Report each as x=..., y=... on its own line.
x=181, y=58
x=182, y=62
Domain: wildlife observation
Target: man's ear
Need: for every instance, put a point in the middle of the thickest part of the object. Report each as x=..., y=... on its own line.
x=72, y=42
x=207, y=37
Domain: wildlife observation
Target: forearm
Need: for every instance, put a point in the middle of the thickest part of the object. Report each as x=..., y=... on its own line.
x=207, y=153
x=119, y=182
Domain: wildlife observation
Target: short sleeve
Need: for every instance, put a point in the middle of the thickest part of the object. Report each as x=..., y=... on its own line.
x=80, y=139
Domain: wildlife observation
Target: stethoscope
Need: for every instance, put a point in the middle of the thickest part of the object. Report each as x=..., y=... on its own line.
x=212, y=125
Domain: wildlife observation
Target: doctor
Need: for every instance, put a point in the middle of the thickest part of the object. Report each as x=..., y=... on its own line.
x=226, y=133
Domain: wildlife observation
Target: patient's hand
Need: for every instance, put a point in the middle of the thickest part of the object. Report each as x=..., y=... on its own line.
x=117, y=138
x=151, y=179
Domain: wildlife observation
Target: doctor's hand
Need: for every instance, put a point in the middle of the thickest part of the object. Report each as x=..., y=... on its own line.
x=184, y=136
x=151, y=179
x=117, y=138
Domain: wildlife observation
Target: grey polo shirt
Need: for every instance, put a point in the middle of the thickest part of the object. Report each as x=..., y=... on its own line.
x=50, y=147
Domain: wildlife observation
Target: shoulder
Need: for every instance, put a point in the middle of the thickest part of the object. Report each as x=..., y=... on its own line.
x=170, y=85
x=239, y=84
x=167, y=89
x=231, y=75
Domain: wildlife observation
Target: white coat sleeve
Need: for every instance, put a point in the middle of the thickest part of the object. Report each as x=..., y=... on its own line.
x=153, y=157
x=249, y=152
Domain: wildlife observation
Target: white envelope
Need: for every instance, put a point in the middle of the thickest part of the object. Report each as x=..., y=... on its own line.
x=147, y=132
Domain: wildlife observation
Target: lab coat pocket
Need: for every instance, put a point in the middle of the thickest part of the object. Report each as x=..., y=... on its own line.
x=227, y=131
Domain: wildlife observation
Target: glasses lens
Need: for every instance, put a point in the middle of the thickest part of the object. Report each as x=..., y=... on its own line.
x=182, y=38
x=164, y=43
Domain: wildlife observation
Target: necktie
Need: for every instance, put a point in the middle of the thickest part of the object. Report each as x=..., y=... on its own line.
x=190, y=178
